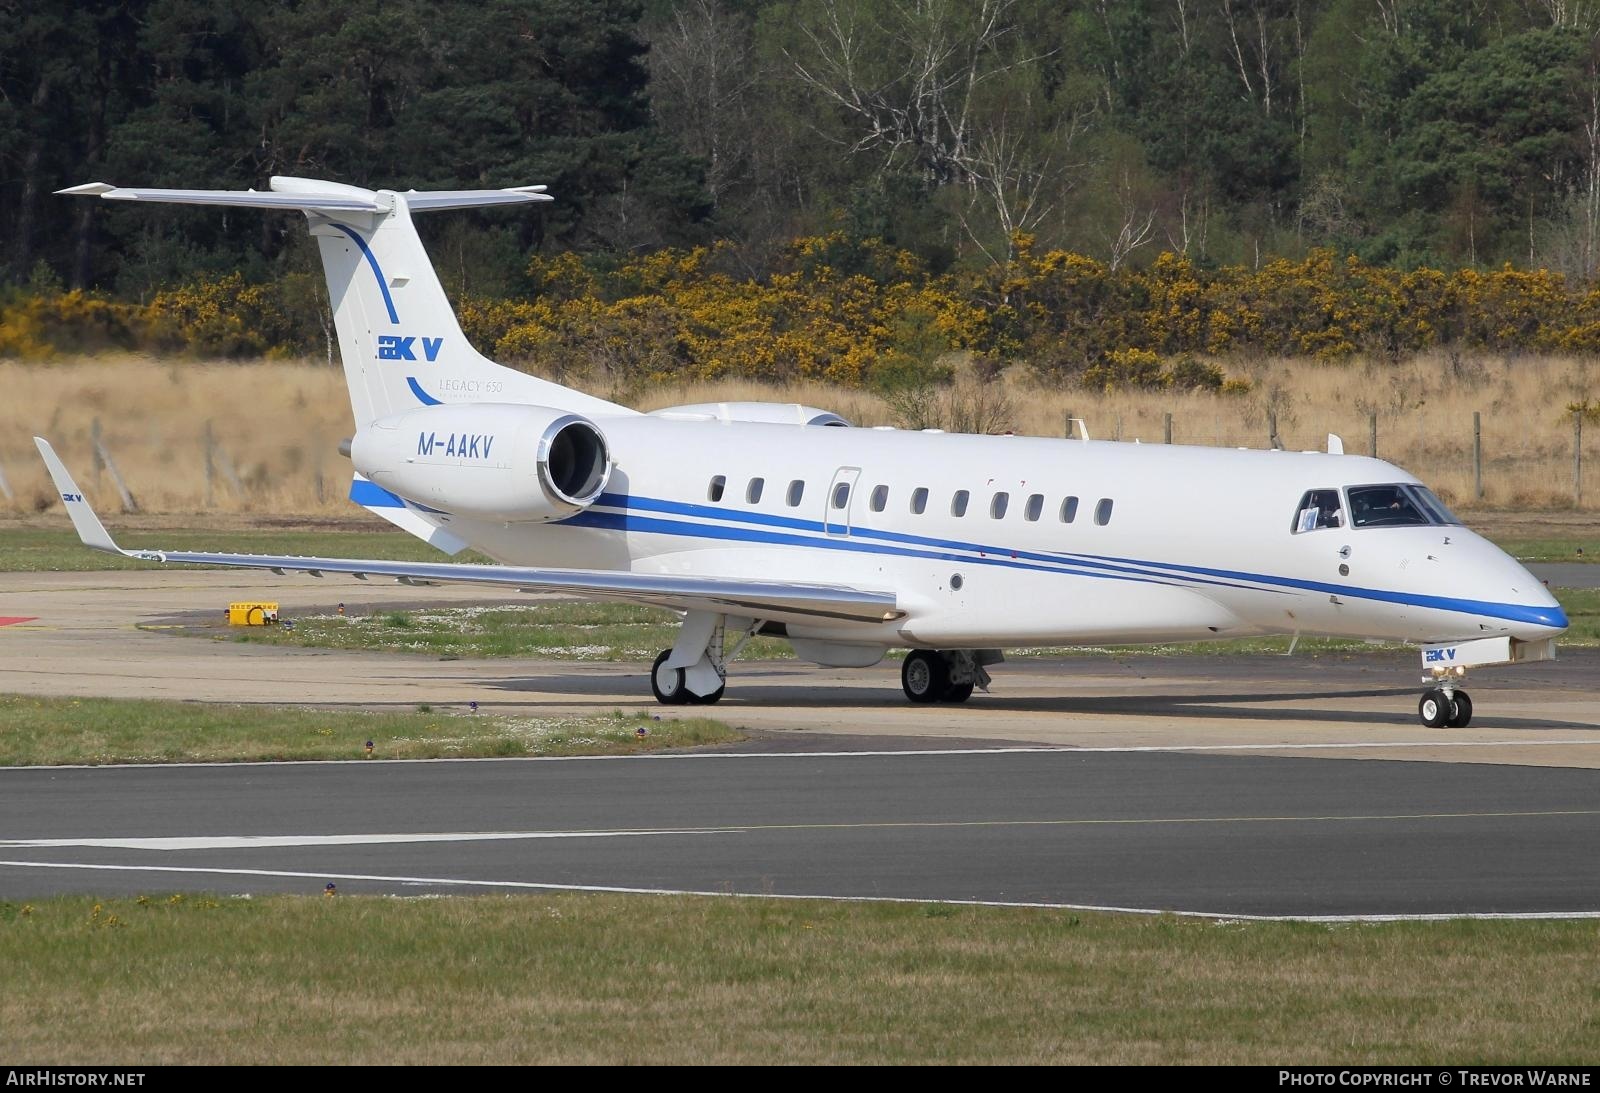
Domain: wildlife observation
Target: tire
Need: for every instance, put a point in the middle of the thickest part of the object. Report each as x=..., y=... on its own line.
x=705, y=700
x=667, y=683
x=957, y=693
x=1461, y=717
x=1434, y=708
x=924, y=676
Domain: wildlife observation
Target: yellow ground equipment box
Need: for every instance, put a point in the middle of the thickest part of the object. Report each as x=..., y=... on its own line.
x=254, y=613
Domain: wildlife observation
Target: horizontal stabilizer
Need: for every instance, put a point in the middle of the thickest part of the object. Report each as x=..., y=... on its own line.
x=311, y=195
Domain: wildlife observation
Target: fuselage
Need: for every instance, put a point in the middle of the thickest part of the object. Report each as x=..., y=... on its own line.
x=1008, y=541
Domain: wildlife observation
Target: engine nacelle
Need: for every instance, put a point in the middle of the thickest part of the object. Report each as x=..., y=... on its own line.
x=770, y=413
x=492, y=460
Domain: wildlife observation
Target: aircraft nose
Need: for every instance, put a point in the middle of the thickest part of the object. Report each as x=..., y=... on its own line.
x=1541, y=614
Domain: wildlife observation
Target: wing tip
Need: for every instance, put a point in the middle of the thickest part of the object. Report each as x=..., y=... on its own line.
x=87, y=189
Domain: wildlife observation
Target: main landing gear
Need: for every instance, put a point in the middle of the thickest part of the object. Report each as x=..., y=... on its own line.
x=929, y=675
x=1445, y=707
x=706, y=643
x=671, y=688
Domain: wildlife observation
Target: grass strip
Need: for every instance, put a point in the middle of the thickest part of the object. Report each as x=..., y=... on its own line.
x=565, y=630
x=591, y=978
x=36, y=731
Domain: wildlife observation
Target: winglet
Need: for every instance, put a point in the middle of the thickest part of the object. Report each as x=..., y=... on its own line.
x=84, y=521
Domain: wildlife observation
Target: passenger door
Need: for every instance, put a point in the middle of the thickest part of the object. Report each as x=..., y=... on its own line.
x=839, y=500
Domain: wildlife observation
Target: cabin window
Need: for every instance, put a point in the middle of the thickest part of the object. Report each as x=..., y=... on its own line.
x=880, y=498
x=1318, y=509
x=919, y=500
x=958, y=503
x=841, y=495
x=997, y=506
x=1102, y=512
x=718, y=483
x=1069, y=510
x=797, y=490
x=752, y=492
x=1034, y=507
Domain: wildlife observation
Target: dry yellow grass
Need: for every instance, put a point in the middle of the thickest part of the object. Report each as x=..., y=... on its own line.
x=279, y=423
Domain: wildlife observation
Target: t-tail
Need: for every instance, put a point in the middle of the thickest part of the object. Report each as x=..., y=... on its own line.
x=402, y=348
x=398, y=336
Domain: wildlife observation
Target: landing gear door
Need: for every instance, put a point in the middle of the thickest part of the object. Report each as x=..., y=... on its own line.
x=840, y=499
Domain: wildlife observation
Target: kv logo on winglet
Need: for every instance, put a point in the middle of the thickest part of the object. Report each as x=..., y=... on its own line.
x=394, y=347
x=69, y=498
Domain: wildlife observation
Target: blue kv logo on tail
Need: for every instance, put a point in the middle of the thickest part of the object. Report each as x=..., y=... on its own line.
x=394, y=347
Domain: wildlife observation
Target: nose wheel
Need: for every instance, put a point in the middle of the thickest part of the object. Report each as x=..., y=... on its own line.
x=1445, y=707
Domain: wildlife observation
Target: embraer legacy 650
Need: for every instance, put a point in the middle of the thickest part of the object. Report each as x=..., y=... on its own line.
x=758, y=518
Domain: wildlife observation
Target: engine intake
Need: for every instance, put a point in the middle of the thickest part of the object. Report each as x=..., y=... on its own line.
x=574, y=463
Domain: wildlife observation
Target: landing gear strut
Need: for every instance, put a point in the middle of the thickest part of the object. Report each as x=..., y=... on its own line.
x=929, y=675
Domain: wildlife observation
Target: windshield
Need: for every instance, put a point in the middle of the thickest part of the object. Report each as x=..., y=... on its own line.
x=1398, y=505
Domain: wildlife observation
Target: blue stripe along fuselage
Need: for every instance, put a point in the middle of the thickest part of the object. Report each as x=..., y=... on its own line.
x=368, y=494
x=1087, y=565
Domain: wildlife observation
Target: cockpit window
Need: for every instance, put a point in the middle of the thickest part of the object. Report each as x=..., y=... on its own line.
x=1399, y=505
x=1318, y=509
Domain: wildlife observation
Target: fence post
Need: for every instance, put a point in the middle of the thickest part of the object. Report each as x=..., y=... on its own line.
x=1167, y=428
x=5, y=487
x=96, y=463
x=103, y=454
x=1372, y=435
x=211, y=466
x=1272, y=430
x=1477, y=455
x=1577, y=457
x=1066, y=420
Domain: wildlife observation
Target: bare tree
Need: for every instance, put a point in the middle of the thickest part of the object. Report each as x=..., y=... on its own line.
x=947, y=89
x=703, y=74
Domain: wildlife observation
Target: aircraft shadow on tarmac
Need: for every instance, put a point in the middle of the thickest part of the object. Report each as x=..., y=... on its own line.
x=1243, y=706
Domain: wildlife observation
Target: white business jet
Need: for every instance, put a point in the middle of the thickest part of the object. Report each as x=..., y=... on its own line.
x=759, y=518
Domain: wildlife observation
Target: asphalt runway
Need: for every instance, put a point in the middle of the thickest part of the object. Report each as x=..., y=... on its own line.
x=1219, y=835
x=1200, y=784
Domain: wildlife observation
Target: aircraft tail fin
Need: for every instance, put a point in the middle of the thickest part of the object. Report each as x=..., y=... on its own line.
x=398, y=335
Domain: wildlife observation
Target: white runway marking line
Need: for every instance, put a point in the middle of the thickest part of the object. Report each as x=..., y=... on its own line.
x=1040, y=749
x=461, y=882
x=237, y=842
x=248, y=842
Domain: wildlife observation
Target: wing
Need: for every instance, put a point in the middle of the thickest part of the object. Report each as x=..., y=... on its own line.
x=775, y=601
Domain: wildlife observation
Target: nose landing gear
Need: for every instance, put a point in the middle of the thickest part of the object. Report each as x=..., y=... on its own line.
x=1440, y=708
x=1445, y=705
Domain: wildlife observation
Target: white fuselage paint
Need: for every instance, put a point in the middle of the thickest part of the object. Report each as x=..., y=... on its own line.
x=1199, y=542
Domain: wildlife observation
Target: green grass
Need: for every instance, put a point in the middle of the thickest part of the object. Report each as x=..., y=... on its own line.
x=1552, y=550
x=557, y=630
x=101, y=730
x=593, y=978
x=621, y=632
x=27, y=550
